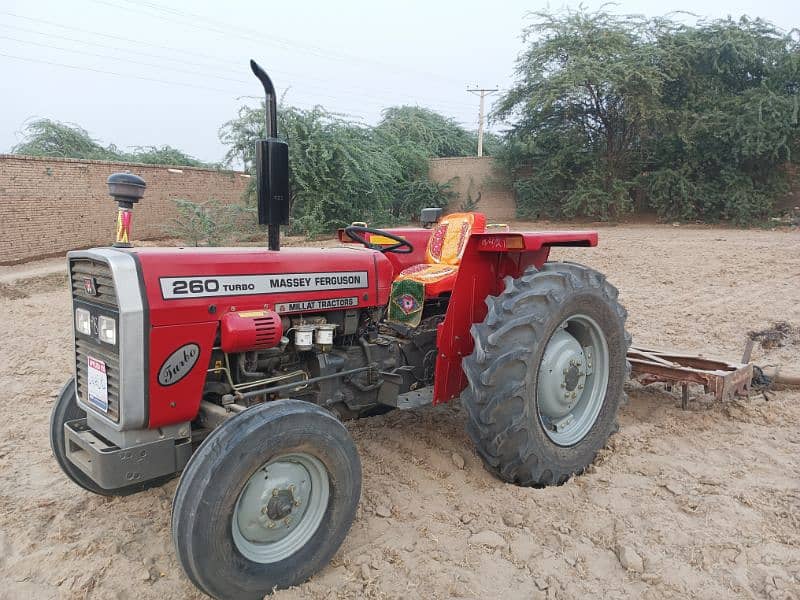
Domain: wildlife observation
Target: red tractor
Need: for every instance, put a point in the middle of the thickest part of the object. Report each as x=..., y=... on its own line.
x=235, y=367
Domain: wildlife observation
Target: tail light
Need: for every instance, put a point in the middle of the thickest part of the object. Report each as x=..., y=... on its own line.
x=250, y=330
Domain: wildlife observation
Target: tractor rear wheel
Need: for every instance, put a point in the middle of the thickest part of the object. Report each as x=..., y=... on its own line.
x=547, y=373
x=266, y=500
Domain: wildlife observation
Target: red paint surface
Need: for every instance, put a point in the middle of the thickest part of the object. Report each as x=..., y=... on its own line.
x=481, y=274
x=185, y=262
x=180, y=401
x=174, y=323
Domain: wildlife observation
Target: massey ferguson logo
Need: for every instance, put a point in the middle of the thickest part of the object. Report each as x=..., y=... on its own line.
x=90, y=286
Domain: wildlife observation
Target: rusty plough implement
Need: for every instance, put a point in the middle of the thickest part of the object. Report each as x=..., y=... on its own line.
x=723, y=380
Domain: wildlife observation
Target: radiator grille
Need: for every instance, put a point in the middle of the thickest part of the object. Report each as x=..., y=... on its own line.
x=84, y=348
x=82, y=269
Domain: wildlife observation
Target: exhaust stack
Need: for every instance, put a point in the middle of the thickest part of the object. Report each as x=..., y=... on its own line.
x=272, y=167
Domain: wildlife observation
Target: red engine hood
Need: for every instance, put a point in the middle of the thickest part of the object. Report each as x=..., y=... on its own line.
x=189, y=285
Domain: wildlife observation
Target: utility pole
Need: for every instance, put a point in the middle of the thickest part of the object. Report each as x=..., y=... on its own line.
x=483, y=92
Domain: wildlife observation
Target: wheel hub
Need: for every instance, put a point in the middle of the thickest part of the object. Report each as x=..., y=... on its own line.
x=274, y=501
x=572, y=377
x=562, y=375
x=281, y=505
x=572, y=380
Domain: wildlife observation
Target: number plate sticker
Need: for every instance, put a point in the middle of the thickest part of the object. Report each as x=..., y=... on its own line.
x=98, y=384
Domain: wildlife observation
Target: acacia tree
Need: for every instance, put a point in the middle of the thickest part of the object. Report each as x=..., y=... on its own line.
x=45, y=137
x=731, y=101
x=587, y=86
x=341, y=170
x=697, y=119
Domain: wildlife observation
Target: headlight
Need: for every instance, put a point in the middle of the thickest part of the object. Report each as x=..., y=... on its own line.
x=107, y=330
x=83, y=321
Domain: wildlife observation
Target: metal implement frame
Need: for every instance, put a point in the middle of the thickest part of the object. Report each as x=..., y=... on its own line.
x=722, y=379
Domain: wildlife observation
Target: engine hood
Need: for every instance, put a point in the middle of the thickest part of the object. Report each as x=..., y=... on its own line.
x=184, y=285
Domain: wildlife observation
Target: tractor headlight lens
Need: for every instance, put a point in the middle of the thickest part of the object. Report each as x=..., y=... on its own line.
x=107, y=330
x=83, y=321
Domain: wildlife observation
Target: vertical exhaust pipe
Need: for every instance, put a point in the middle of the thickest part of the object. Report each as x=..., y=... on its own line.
x=272, y=167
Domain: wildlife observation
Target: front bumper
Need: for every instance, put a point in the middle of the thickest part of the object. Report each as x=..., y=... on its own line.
x=112, y=467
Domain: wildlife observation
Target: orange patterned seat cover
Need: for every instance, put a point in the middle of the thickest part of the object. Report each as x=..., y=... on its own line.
x=445, y=248
x=428, y=273
x=449, y=238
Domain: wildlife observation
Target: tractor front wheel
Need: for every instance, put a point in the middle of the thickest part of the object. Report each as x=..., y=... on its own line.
x=547, y=373
x=266, y=500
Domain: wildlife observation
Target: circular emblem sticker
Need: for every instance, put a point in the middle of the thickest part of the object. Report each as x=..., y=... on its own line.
x=178, y=364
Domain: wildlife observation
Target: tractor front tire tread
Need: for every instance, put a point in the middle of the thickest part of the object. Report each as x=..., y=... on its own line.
x=215, y=474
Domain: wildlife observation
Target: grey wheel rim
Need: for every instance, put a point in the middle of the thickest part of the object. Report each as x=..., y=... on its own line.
x=280, y=507
x=572, y=382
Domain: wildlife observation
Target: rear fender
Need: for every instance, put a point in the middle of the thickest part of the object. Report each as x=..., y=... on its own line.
x=487, y=260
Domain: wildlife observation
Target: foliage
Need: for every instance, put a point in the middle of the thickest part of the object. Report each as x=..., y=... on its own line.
x=699, y=118
x=44, y=137
x=432, y=133
x=343, y=171
x=209, y=223
x=163, y=155
x=731, y=102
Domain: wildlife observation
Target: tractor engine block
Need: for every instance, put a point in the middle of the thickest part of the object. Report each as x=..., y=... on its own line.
x=265, y=351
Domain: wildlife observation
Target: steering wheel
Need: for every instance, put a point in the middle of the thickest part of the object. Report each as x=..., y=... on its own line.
x=353, y=231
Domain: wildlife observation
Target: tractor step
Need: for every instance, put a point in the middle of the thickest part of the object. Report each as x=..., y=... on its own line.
x=722, y=379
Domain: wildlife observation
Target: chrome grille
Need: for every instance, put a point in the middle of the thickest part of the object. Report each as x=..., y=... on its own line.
x=83, y=350
x=106, y=298
x=84, y=268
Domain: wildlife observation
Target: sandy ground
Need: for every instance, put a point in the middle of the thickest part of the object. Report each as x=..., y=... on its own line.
x=703, y=503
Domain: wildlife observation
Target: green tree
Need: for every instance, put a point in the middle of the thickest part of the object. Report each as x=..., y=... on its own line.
x=588, y=85
x=164, y=155
x=433, y=134
x=731, y=101
x=698, y=120
x=340, y=170
x=45, y=137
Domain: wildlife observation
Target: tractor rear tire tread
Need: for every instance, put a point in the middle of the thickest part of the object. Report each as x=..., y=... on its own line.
x=502, y=423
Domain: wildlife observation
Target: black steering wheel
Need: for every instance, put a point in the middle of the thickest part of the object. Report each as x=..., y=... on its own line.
x=353, y=232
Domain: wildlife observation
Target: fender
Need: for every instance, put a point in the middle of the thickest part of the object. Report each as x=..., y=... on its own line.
x=487, y=260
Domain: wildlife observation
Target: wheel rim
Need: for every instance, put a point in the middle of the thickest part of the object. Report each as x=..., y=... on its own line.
x=280, y=507
x=572, y=382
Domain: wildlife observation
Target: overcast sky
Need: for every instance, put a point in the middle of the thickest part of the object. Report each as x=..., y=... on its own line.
x=150, y=72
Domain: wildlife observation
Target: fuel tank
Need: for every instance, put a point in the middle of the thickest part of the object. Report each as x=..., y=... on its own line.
x=190, y=285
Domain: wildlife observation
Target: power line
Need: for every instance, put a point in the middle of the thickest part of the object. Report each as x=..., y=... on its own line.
x=216, y=26
x=389, y=99
x=127, y=60
x=104, y=72
x=376, y=103
x=110, y=36
x=127, y=49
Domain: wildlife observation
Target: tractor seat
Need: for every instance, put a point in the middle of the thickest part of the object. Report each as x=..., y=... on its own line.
x=443, y=253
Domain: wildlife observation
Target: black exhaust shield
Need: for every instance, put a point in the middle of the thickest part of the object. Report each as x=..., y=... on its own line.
x=272, y=167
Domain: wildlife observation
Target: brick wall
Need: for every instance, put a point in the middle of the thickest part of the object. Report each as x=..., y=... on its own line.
x=49, y=206
x=476, y=178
